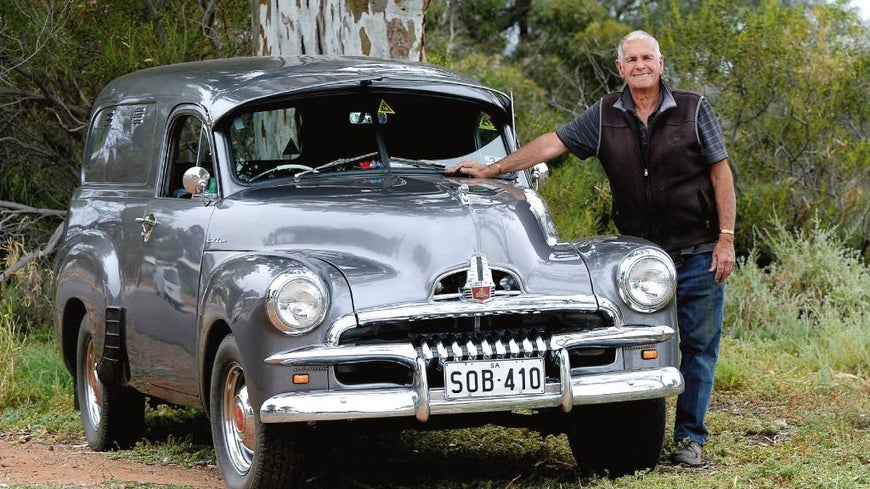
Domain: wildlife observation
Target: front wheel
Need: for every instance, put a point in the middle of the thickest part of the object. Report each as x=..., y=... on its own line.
x=249, y=453
x=617, y=439
x=112, y=416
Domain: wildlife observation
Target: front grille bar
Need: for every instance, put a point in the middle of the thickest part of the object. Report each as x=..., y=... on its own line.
x=486, y=348
x=528, y=304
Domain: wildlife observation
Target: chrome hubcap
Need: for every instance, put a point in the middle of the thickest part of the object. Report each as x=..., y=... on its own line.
x=93, y=391
x=237, y=419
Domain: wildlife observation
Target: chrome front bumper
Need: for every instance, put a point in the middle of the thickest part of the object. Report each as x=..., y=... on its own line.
x=421, y=401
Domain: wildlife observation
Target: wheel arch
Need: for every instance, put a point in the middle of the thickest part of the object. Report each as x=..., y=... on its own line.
x=88, y=281
x=233, y=294
x=230, y=297
x=213, y=338
x=71, y=318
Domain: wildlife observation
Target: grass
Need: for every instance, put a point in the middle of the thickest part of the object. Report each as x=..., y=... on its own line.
x=791, y=406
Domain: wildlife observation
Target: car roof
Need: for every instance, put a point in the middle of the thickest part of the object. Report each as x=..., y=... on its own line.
x=220, y=85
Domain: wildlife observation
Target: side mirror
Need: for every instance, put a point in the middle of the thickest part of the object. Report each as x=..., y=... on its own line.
x=195, y=180
x=539, y=175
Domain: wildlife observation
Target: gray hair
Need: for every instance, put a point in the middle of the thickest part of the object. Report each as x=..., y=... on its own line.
x=638, y=35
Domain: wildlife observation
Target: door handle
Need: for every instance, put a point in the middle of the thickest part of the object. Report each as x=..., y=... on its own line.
x=148, y=221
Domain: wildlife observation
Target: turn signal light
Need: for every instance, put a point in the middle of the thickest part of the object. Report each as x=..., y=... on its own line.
x=649, y=354
x=300, y=378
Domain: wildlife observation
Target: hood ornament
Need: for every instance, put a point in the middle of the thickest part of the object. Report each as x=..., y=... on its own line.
x=479, y=286
x=463, y=194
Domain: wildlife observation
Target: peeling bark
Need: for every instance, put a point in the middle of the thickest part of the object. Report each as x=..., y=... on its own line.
x=378, y=28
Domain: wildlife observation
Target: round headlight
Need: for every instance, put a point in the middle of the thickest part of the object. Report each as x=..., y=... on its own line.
x=296, y=301
x=647, y=279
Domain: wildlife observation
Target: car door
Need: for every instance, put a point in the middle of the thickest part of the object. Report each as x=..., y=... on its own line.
x=162, y=312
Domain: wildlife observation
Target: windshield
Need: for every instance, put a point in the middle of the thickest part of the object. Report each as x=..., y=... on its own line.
x=342, y=132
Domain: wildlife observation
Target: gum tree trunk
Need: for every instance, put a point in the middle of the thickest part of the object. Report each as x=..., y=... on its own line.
x=377, y=28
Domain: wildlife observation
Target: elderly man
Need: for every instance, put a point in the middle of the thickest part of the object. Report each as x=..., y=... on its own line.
x=664, y=154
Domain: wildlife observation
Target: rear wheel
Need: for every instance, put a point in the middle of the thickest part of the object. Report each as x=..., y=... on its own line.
x=249, y=453
x=113, y=416
x=617, y=439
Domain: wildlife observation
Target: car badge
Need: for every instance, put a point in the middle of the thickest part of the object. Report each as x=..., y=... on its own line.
x=479, y=286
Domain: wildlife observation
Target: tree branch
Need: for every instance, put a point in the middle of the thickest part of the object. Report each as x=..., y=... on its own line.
x=21, y=208
x=33, y=255
x=158, y=24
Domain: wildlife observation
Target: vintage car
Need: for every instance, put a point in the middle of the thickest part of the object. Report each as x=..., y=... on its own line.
x=275, y=241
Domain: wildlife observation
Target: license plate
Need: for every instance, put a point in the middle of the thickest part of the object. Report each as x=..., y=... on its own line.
x=493, y=378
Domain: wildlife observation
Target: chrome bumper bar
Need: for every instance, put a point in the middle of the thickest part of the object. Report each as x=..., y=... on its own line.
x=421, y=402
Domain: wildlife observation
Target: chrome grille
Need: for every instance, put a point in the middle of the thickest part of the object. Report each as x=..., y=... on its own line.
x=476, y=346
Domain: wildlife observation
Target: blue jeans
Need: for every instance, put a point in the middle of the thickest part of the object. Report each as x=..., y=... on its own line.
x=700, y=302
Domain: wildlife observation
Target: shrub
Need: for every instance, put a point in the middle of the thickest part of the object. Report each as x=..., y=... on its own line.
x=26, y=296
x=579, y=198
x=812, y=299
x=10, y=344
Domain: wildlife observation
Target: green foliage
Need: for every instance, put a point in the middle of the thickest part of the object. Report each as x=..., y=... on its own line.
x=58, y=55
x=36, y=392
x=790, y=85
x=565, y=20
x=530, y=100
x=579, y=198
x=10, y=345
x=787, y=79
x=812, y=300
x=571, y=51
x=477, y=18
x=26, y=297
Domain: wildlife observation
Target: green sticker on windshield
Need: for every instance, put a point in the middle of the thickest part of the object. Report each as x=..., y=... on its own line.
x=486, y=123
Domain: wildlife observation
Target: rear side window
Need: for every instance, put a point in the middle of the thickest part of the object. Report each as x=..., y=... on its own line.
x=121, y=145
x=189, y=146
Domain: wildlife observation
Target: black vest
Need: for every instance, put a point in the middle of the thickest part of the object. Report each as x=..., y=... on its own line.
x=665, y=195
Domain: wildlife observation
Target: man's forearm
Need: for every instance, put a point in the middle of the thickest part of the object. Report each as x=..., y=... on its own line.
x=541, y=149
x=726, y=200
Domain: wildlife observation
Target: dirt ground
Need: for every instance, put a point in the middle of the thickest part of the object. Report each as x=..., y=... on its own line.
x=30, y=462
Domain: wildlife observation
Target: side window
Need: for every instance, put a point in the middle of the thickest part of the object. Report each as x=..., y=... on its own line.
x=120, y=145
x=188, y=146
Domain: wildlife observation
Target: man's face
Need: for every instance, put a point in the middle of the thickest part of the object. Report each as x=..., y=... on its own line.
x=640, y=67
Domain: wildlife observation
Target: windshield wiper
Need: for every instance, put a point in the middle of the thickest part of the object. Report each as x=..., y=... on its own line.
x=333, y=163
x=419, y=162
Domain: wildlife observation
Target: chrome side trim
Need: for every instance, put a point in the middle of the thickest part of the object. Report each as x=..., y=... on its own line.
x=404, y=401
x=415, y=311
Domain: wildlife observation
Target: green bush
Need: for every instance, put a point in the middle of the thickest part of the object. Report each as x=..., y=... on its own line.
x=579, y=198
x=811, y=300
x=10, y=344
x=26, y=297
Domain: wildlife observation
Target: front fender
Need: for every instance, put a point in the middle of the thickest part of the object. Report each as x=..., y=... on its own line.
x=233, y=302
x=603, y=255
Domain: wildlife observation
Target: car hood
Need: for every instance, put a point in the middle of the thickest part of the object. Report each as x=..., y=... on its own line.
x=393, y=236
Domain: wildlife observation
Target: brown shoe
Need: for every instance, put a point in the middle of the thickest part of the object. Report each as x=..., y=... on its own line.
x=688, y=454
